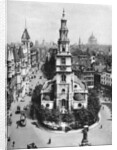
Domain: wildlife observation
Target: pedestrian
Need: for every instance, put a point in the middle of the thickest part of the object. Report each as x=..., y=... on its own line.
x=49, y=141
x=17, y=124
x=13, y=144
x=9, y=139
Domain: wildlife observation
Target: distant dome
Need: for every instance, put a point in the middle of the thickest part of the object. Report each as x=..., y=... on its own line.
x=92, y=39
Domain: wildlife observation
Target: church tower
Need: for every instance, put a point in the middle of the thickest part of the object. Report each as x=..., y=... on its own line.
x=25, y=39
x=64, y=75
x=65, y=91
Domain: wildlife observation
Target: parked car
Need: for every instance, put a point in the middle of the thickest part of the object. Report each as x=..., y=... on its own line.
x=18, y=110
x=31, y=146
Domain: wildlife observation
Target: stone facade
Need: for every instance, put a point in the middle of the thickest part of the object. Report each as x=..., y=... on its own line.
x=65, y=91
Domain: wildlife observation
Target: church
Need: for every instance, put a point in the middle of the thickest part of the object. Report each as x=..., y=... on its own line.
x=65, y=91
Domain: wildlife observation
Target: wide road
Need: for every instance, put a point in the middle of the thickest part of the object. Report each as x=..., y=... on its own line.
x=40, y=136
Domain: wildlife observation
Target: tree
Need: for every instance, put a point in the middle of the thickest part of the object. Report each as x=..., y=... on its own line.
x=56, y=115
x=36, y=97
x=49, y=66
x=94, y=104
x=68, y=117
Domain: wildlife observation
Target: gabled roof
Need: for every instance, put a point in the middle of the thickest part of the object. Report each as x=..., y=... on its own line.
x=25, y=35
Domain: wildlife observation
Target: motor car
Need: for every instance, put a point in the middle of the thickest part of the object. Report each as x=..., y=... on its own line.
x=31, y=146
x=18, y=110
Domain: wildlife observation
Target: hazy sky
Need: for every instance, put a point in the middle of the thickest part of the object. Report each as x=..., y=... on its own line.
x=43, y=21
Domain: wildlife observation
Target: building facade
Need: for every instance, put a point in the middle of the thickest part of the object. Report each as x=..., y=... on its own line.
x=65, y=91
x=106, y=78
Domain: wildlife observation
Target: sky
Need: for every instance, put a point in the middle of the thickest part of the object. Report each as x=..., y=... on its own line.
x=43, y=21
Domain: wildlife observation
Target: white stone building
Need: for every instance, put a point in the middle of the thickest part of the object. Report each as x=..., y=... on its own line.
x=65, y=91
x=106, y=78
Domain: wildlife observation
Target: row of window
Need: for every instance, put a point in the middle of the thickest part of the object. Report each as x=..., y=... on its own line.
x=106, y=79
x=64, y=103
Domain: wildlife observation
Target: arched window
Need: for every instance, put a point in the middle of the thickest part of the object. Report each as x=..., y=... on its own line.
x=63, y=102
x=63, y=77
x=63, y=49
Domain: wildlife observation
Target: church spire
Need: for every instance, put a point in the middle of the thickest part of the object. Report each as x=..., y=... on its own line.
x=25, y=24
x=63, y=13
x=79, y=44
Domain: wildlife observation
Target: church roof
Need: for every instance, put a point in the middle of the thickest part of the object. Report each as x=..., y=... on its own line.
x=78, y=97
x=25, y=35
x=47, y=88
x=81, y=83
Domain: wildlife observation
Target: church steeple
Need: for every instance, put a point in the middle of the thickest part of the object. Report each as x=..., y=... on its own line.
x=25, y=36
x=63, y=41
x=63, y=15
x=79, y=44
x=25, y=24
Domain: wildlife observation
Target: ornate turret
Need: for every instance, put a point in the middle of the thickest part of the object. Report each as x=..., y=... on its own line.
x=26, y=47
x=63, y=34
x=25, y=36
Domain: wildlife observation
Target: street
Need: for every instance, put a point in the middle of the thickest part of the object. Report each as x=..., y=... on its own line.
x=40, y=136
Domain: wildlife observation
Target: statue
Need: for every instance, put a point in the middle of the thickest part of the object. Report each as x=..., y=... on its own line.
x=85, y=137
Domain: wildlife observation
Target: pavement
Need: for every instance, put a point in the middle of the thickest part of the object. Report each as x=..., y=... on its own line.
x=40, y=136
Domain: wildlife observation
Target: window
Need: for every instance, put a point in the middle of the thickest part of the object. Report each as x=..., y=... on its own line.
x=63, y=102
x=63, y=61
x=47, y=105
x=63, y=77
x=79, y=105
x=63, y=68
x=63, y=49
x=63, y=90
